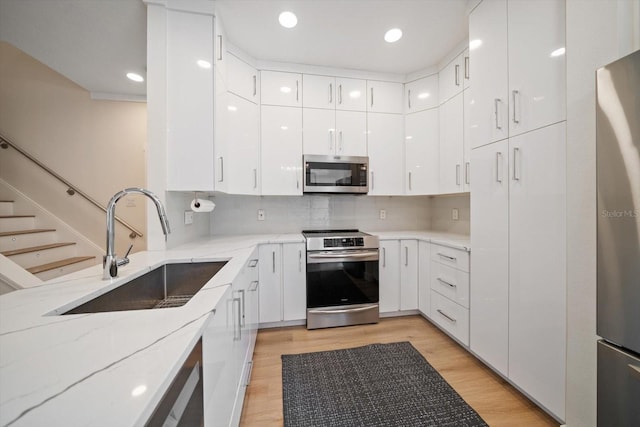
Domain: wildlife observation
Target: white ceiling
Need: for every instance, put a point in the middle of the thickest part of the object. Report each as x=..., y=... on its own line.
x=95, y=42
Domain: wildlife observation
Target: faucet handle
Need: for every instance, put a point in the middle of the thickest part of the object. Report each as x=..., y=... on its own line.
x=128, y=251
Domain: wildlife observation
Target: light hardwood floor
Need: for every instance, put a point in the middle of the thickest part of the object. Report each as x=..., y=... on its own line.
x=498, y=403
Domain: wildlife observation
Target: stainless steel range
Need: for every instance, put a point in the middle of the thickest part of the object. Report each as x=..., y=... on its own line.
x=342, y=278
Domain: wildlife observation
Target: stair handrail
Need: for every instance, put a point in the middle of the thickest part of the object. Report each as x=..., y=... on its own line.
x=72, y=189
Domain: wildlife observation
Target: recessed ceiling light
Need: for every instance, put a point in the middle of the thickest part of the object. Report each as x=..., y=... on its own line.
x=288, y=19
x=135, y=77
x=559, y=52
x=474, y=44
x=203, y=64
x=393, y=35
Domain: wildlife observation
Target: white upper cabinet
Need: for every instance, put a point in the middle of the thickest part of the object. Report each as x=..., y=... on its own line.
x=318, y=91
x=488, y=56
x=466, y=68
x=219, y=50
x=451, y=79
x=281, y=153
x=351, y=133
x=386, y=154
x=385, y=97
x=452, y=146
x=319, y=131
x=280, y=88
x=422, y=152
x=242, y=78
x=537, y=78
x=238, y=151
x=421, y=94
x=351, y=94
x=469, y=101
x=189, y=103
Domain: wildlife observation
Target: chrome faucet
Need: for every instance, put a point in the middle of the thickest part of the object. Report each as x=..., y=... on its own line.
x=110, y=261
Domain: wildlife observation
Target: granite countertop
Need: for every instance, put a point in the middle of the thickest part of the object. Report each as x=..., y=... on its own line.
x=81, y=369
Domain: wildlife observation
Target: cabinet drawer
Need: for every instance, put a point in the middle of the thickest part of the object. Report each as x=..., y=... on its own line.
x=456, y=258
x=450, y=282
x=451, y=317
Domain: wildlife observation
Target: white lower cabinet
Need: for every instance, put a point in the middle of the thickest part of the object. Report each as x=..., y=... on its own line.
x=451, y=317
x=424, y=278
x=398, y=276
x=283, y=294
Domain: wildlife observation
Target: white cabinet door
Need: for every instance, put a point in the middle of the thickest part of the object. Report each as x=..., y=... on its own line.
x=451, y=79
x=294, y=281
x=424, y=278
x=219, y=50
x=408, y=275
x=242, y=78
x=489, y=289
x=270, y=290
x=422, y=152
x=537, y=78
x=389, y=277
x=386, y=154
x=238, y=154
x=351, y=133
x=468, y=100
x=279, y=88
x=190, y=102
x=318, y=91
x=281, y=166
x=537, y=265
x=452, y=145
x=421, y=94
x=318, y=131
x=385, y=97
x=488, y=58
x=351, y=94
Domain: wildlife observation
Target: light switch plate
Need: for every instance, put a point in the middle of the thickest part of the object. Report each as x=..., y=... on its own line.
x=383, y=214
x=188, y=217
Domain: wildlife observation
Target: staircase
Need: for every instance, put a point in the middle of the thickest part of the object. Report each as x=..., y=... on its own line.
x=35, y=248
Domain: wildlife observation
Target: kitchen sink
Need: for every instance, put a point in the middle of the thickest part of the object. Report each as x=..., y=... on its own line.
x=170, y=285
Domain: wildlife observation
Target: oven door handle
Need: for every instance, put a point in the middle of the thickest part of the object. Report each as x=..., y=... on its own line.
x=343, y=310
x=344, y=255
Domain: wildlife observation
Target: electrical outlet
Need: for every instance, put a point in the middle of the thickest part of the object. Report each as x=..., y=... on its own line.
x=383, y=214
x=188, y=217
x=454, y=214
x=260, y=214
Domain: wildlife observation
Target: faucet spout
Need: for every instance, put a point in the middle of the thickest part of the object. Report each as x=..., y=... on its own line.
x=110, y=261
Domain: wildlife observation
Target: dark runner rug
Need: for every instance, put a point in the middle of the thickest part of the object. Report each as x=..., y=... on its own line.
x=375, y=385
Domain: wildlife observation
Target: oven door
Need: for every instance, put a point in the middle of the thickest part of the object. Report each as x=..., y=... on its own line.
x=335, y=174
x=338, y=278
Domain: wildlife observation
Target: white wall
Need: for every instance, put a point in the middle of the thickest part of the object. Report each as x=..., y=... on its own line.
x=96, y=145
x=598, y=32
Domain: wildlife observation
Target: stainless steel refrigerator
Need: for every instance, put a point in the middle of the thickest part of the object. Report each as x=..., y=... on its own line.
x=618, y=172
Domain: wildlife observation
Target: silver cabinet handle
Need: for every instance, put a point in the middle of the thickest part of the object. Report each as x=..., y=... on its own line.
x=409, y=181
x=221, y=169
x=466, y=67
x=457, y=74
x=340, y=94
x=516, y=164
x=331, y=139
x=406, y=256
x=451, y=285
x=372, y=97
x=297, y=183
x=467, y=177
x=409, y=98
x=450, y=258
x=254, y=286
x=341, y=143
x=498, y=166
x=219, y=48
x=300, y=261
x=384, y=257
x=496, y=112
x=238, y=336
x=253, y=263
x=297, y=91
x=273, y=260
x=516, y=98
x=330, y=93
x=458, y=174
x=248, y=379
x=255, y=178
x=255, y=85
x=446, y=316
x=242, y=298
x=372, y=180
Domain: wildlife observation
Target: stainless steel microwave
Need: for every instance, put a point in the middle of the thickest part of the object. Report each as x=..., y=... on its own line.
x=336, y=174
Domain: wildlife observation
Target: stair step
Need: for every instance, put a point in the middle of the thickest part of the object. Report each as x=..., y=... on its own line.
x=36, y=248
x=30, y=231
x=58, y=264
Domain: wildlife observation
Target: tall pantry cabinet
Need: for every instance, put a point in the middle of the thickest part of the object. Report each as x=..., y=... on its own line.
x=517, y=131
